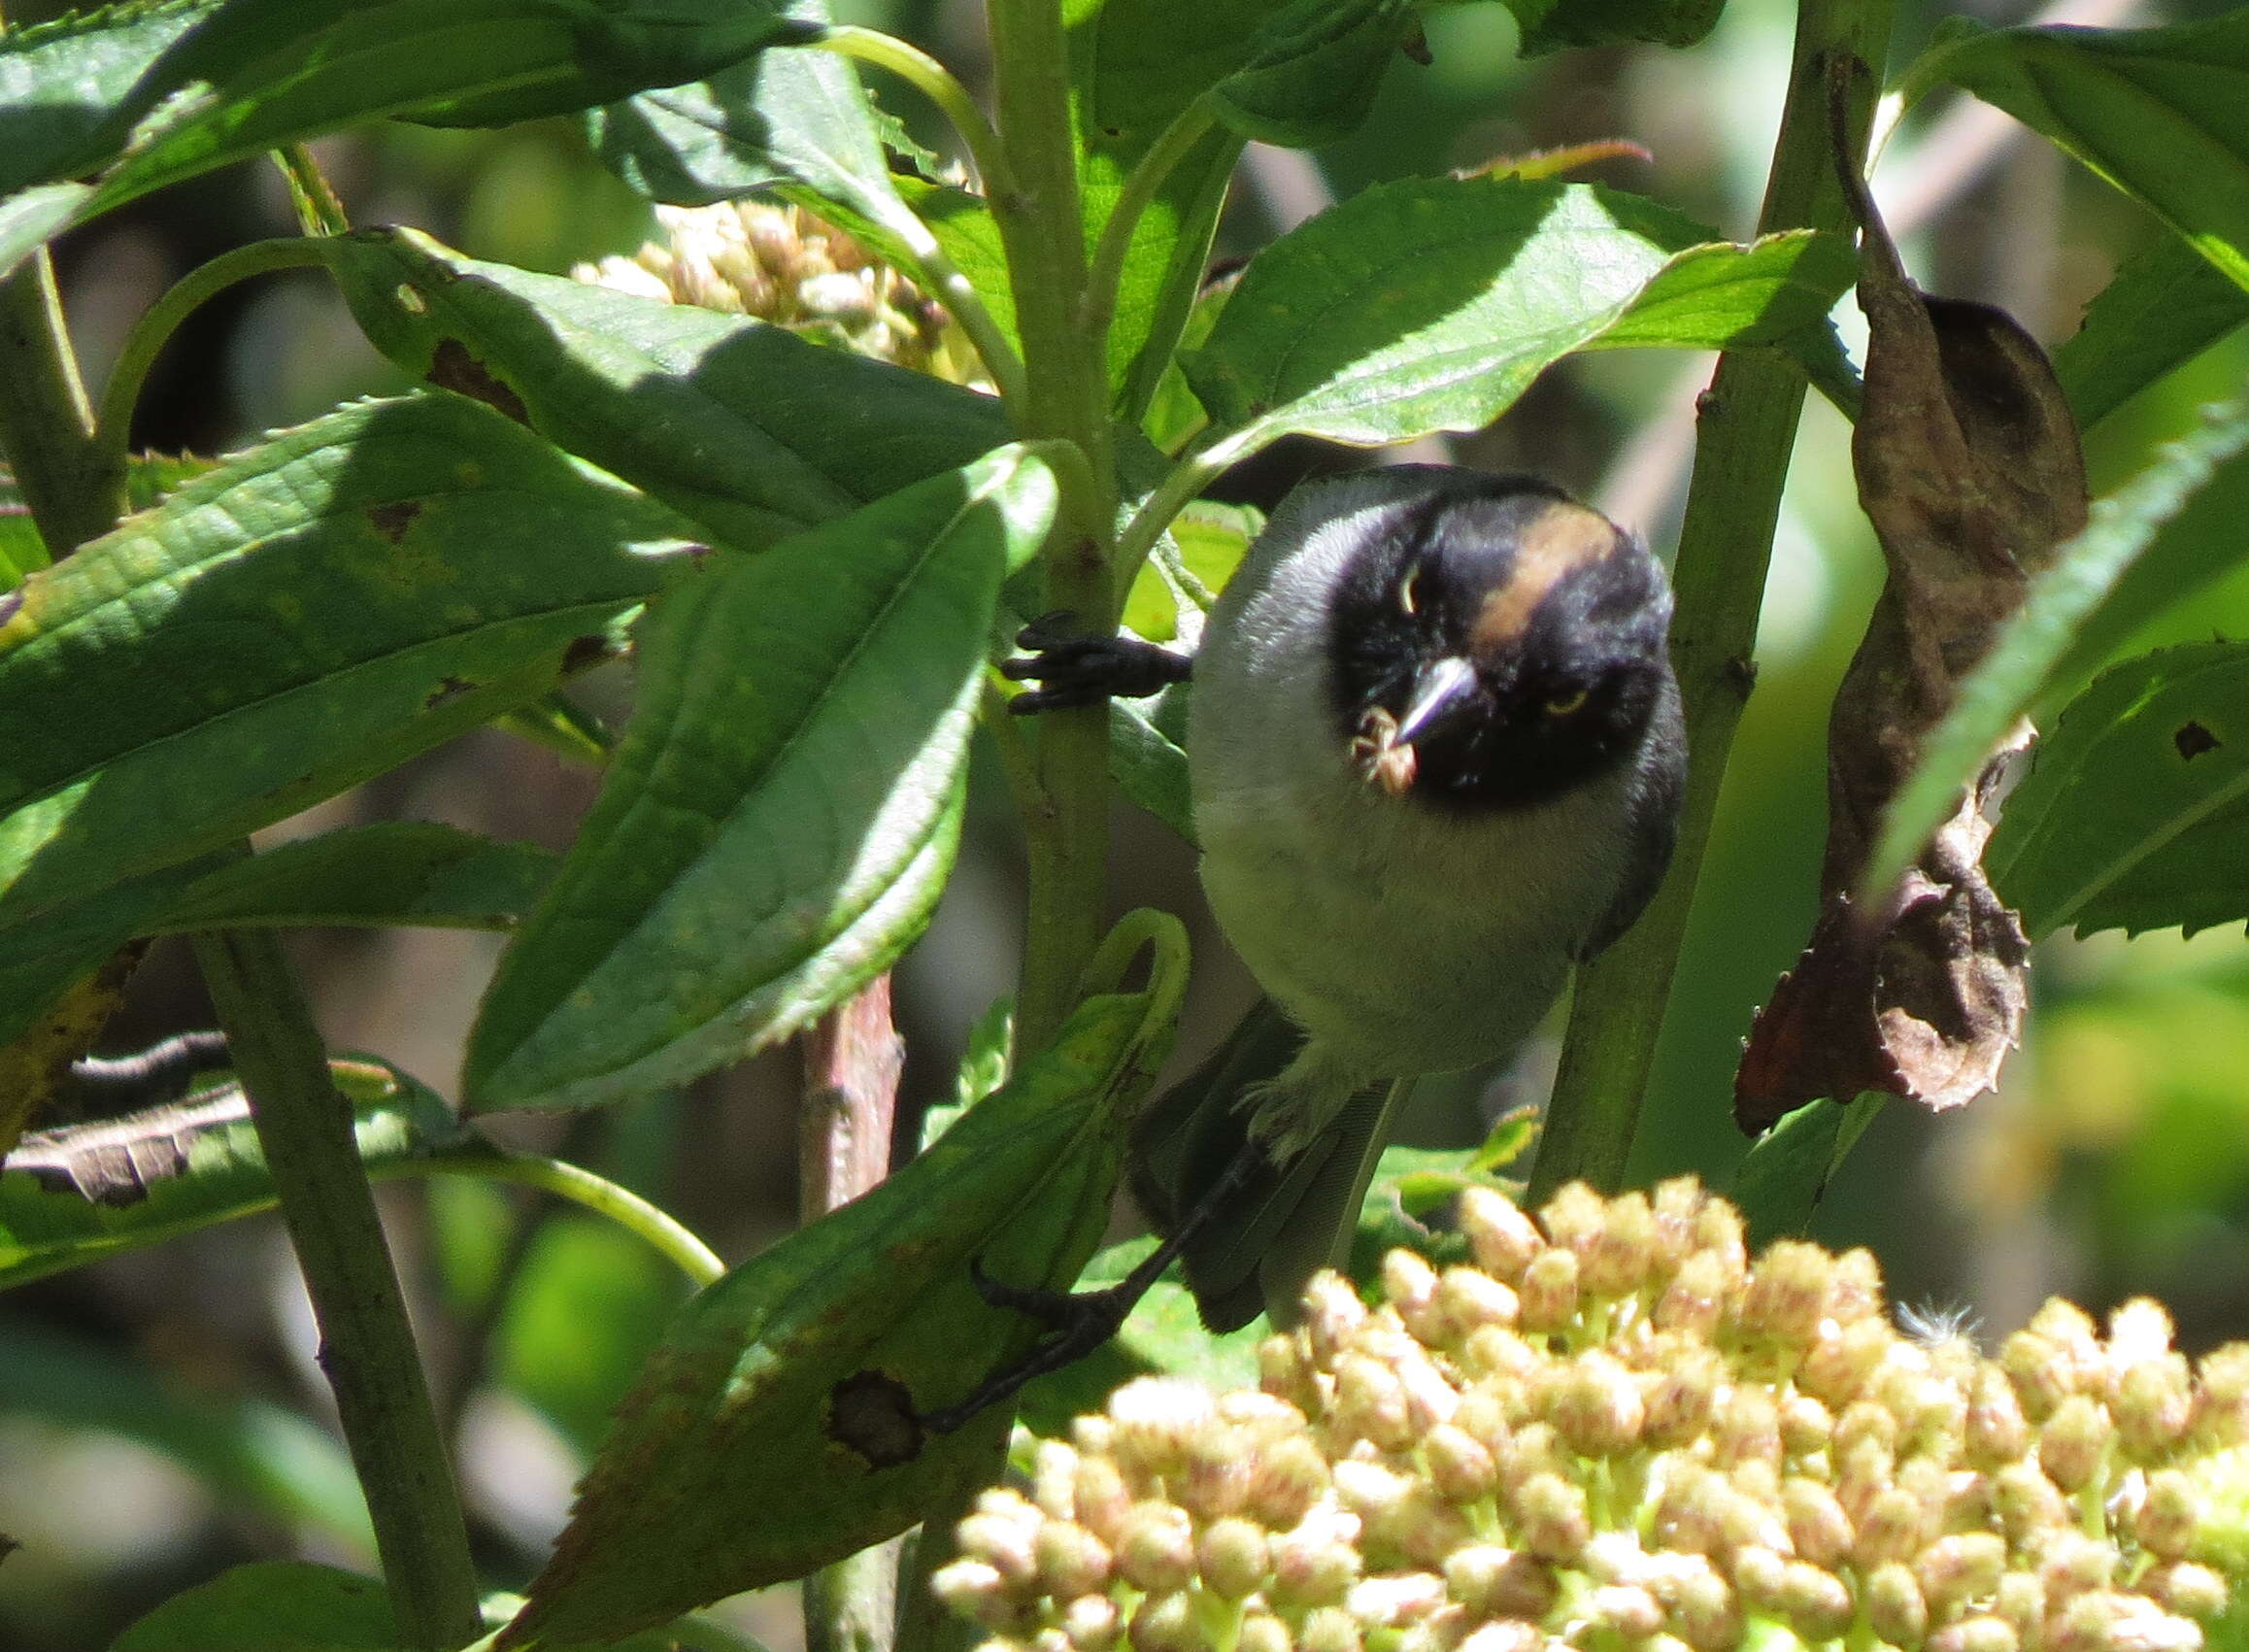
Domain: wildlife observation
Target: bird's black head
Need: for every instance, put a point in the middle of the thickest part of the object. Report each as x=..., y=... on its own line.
x=1496, y=643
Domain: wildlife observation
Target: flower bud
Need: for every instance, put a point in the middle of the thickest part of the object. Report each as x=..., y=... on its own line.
x=1504, y=1635
x=1855, y=1287
x=1099, y=1497
x=1806, y=1427
x=1409, y=1284
x=1700, y=1610
x=1745, y=1425
x=1572, y=1218
x=1623, y=1254
x=1394, y=1601
x=2221, y=1417
x=2071, y=1564
x=1285, y=1370
x=1975, y=1635
x=1761, y=1576
x=1681, y=1399
x=1156, y=1549
x=1329, y=1628
x=1370, y=1402
x=1156, y=1419
x=2151, y=1401
x=1459, y=1466
x=1071, y=1559
x=1262, y=1632
x=1960, y=1568
x=1837, y=1363
x=1996, y=1431
x=1467, y=1300
x=1548, y=1292
x=1894, y=1528
x=1215, y=1481
x=2026, y=1502
x=1551, y=1514
x=2189, y=1590
x=1815, y=1602
x=1496, y=1582
x=1286, y=1480
x=1694, y=1301
x=2073, y=1442
x=977, y=1592
x=1818, y=1527
x=1594, y=1405
x=1718, y=1232
x=1316, y=1564
x=1001, y=1542
x=1788, y=1291
x=1624, y=1609
x=1091, y=1623
x=1054, y=1470
x=1232, y=1557
x=1166, y=1623
x=1332, y=1315
x=1503, y=1239
x=2169, y=1515
x=1894, y=1607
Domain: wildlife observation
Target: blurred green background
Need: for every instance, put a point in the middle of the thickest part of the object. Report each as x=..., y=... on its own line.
x=161, y=1416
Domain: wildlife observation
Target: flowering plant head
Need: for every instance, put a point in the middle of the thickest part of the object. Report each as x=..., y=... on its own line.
x=1616, y=1430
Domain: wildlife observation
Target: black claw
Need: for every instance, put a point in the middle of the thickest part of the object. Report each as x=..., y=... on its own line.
x=1073, y=670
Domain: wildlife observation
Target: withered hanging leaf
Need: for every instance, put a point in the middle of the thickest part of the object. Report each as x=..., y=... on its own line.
x=1970, y=468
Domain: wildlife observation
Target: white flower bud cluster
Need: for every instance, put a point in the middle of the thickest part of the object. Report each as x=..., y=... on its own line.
x=785, y=265
x=1618, y=1432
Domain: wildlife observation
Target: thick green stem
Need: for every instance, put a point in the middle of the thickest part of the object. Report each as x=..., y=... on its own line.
x=366, y=1344
x=1066, y=396
x=1741, y=458
x=73, y=488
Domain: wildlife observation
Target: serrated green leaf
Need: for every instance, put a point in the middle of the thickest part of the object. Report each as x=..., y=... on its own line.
x=311, y=613
x=2061, y=597
x=1148, y=757
x=749, y=429
x=79, y=1194
x=250, y=75
x=792, y=116
x=274, y=1607
x=1432, y=304
x=780, y=814
x=2135, y=813
x=2163, y=308
x=1311, y=70
x=61, y=80
x=775, y=1429
x=2157, y=111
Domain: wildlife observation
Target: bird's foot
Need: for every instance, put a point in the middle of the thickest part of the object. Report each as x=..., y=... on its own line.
x=1073, y=670
x=1080, y=1320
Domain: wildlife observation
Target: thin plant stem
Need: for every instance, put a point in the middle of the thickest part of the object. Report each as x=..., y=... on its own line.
x=1146, y=177
x=1066, y=827
x=1747, y=429
x=74, y=486
x=665, y=1234
x=150, y=334
x=918, y=69
x=853, y=1059
x=303, y=1124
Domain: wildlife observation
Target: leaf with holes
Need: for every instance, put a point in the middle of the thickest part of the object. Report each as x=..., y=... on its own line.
x=781, y=813
x=780, y=1425
x=2135, y=813
x=311, y=613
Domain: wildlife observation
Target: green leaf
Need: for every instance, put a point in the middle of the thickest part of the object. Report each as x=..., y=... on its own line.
x=795, y=114
x=747, y=428
x=1779, y=1186
x=1311, y=70
x=1148, y=757
x=275, y=1606
x=1548, y=26
x=2165, y=306
x=61, y=80
x=2024, y=656
x=781, y=813
x=89, y=1192
x=250, y=75
x=1432, y=304
x=2135, y=813
x=313, y=613
x=2157, y=111
x=255, y=1458
x=775, y=1429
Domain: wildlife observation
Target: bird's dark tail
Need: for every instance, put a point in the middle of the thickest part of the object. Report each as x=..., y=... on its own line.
x=1283, y=1221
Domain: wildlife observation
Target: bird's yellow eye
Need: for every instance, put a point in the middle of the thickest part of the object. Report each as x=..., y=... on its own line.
x=1561, y=705
x=1405, y=589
